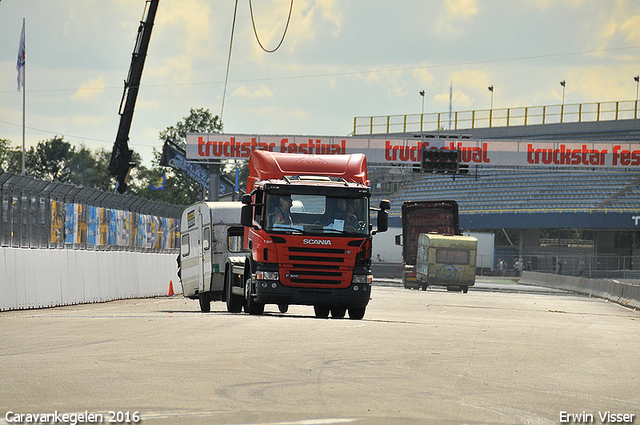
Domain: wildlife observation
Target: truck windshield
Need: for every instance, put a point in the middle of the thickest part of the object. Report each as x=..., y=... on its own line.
x=309, y=214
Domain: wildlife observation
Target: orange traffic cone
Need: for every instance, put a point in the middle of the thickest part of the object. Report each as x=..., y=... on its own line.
x=171, y=293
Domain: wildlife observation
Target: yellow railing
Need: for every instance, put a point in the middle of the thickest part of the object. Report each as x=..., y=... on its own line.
x=484, y=118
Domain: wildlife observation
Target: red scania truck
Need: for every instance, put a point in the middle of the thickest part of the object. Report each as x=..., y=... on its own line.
x=308, y=232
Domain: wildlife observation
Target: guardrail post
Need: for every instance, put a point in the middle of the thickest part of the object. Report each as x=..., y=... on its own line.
x=508, y=113
x=456, y=121
x=438, y=129
x=580, y=113
x=526, y=112
x=404, y=127
x=473, y=119
x=598, y=113
x=421, y=121
x=371, y=126
x=562, y=113
x=544, y=112
x=617, y=108
x=388, y=123
x=490, y=116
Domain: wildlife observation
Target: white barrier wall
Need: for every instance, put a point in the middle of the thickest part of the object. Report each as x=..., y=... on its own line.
x=35, y=278
x=621, y=293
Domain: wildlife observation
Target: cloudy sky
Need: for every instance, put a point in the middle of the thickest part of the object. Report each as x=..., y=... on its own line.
x=339, y=60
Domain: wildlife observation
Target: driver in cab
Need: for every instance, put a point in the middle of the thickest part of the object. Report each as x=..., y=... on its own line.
x=344, y=216
x=281, y=213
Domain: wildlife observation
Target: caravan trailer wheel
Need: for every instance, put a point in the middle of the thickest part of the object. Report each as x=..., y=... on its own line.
x=234, y=302
x=205, y=302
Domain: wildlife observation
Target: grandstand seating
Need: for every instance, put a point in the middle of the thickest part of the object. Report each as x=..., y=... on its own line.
x=495, y=189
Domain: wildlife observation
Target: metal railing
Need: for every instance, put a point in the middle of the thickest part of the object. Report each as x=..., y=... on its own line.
x=505, y=117
x=44, y=214
x=604, y=266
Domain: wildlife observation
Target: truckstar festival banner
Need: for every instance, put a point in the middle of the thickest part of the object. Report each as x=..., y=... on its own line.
x=214, y=146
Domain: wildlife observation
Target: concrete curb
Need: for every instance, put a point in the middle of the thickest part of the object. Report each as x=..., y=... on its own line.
x=622, y=293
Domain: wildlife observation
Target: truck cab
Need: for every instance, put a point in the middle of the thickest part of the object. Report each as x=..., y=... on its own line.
x=309, y=231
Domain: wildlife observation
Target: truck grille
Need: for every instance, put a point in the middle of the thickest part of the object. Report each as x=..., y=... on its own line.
x=315, y=267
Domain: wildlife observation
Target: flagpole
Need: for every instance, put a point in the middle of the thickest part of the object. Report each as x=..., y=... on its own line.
x=24, y=90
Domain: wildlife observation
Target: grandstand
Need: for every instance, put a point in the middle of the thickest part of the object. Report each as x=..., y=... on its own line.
x=526, y=190
x=520, y=201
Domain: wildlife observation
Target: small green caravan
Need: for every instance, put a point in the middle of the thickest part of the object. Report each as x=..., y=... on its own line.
x=446, y=261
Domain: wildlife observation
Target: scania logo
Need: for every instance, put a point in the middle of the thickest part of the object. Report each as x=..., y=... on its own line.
x=311, y=161
x=316, y=241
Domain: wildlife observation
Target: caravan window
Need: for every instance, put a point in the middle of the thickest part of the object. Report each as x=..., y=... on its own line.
x=184, y=248
x=206, y=238
x=452, y=256
x=235, y=238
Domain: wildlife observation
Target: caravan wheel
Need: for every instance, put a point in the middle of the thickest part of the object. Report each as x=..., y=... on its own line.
x=205, y=302
x=234, y=302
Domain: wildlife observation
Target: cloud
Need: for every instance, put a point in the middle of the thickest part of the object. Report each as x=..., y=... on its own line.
x=424, y=77
x=308, y=18
x=471, y=79
x=87, y=121
x=183, y=35
x=90, y=89
x=601, y=84
x=261, y=92
x=455, y=13
x=460, y=100
x=630, y=28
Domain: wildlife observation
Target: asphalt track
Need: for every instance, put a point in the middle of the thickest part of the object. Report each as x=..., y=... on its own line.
x=501, y=354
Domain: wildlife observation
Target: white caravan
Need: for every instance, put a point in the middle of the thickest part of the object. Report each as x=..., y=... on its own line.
x=211, y=240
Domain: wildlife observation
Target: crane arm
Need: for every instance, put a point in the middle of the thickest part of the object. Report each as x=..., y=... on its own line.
x=120, y=163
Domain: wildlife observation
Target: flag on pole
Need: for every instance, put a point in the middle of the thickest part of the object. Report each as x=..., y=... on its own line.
x=20, y=64
x=160, y=184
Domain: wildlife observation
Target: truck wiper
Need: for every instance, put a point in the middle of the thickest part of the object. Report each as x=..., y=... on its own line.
x=285, y=228
x=342, y=232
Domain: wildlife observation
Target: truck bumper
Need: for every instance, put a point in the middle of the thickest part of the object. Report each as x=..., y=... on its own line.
x=356, y=295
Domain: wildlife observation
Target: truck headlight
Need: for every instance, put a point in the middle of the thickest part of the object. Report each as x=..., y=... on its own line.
x=362, y=278
x=267, y=275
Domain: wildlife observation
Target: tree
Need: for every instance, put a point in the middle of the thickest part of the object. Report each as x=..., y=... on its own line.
x=199, y=121
x=50, y=160
x=10, y=158
x=86, y=169
x=178, y=188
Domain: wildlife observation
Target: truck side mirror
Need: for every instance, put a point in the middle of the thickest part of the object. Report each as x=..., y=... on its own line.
x=383, y=220
x=385, y=204
x=246, y=198
x=246, y=214
x=399, y=240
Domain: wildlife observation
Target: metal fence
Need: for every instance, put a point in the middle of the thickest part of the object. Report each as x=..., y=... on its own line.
x=610, y=265
x=504, y=117
x=46, y=215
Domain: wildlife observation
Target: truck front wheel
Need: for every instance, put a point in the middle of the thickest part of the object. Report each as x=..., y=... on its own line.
x=338, y=312
x=321, y=311
x=250, y=305
x=356, y=313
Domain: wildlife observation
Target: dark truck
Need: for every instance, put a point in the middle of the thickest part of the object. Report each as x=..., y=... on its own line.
x=418, y=217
